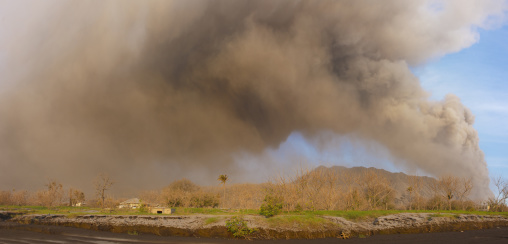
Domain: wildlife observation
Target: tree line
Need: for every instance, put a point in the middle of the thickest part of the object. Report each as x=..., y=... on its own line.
x=53, y=194
x=304, y=190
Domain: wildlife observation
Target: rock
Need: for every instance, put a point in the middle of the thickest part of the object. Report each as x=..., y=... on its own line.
x=194, y=225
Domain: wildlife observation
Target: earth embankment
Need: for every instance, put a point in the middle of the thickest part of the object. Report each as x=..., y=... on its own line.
x=215, y=226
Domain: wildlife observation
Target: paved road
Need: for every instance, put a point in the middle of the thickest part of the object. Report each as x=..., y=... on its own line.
x=56, y=234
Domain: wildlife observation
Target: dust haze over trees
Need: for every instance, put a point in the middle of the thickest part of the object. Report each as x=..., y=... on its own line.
x=184, y=193
x=180, y=88
x=52, y=195
x=102, y=183
x=334, y=188
x=14, y=197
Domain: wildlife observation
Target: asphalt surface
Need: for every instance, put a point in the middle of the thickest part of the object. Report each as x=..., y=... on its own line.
x=56, y=234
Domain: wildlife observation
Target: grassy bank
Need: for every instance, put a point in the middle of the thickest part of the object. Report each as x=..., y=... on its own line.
x=307, y=221
x=372, y=214
x=88, y=210
x=249, y=224
x=306, y=217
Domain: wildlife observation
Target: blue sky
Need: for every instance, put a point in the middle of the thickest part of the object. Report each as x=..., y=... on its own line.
x=478, y=75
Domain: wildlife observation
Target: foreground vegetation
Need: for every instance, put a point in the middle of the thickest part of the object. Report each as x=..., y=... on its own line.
x=322, y=191
x=235, y=220
x=303, y=201
x=281, y=219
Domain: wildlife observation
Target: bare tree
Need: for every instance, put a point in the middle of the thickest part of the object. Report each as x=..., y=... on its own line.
x=410, y=190
x=102, y=184
x=75, y=197
x=449, y=186
x=437, y=199
x=331, y=178
x=377, y=189
x=464, y=189
x=315, y=185
x=79, y=196
x=71, y=200
x=52, y=195
x=413, y=190
x=5, y=198
x=285, y=187
x=353, y=200
x=498, y=202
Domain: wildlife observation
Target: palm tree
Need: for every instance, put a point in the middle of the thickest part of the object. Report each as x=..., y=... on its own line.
x=223, y=179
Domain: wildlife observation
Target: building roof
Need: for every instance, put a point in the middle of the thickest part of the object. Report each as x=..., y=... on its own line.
x=131, y=201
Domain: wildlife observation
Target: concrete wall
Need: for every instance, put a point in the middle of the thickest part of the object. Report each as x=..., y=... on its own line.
x=158, y=210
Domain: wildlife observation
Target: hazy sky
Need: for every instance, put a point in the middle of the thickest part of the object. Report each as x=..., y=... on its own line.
x=478, y=75
x=163, y=89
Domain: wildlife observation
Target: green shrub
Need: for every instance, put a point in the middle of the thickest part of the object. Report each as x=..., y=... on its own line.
x=142, y=208
x=271, y=206
x=238, y=227
x=174, y=201
x=470, y=208
x=298, y=207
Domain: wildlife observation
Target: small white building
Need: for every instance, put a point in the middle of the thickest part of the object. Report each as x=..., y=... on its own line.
x=78, y=204
x=161, y=210
x=132, y=203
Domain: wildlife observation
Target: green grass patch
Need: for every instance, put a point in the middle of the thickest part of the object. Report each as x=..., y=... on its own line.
x=211, y=220
x=445, y=215
x=187, y=211
x=64, y=210
x=349, y=215
x=72, y=215
x=215, y=211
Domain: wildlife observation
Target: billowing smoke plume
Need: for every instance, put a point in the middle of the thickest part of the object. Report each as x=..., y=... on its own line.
x=149, y=91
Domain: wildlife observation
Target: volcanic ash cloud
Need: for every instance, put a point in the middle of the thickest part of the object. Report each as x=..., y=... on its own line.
x=160, y=89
